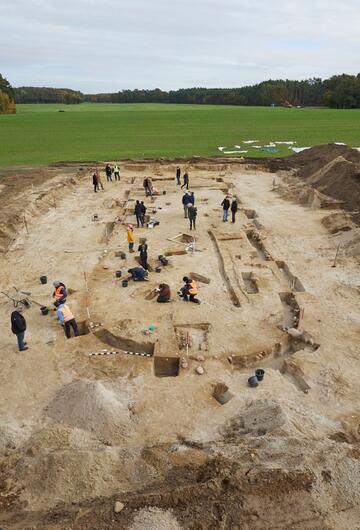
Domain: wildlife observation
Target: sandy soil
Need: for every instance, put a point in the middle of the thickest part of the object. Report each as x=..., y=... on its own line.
x=79, y=433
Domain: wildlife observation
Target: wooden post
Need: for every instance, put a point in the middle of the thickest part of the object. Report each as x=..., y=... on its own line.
x=26, y=225
x=336, y=255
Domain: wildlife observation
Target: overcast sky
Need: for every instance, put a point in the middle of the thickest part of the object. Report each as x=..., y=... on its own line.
x=109, y=45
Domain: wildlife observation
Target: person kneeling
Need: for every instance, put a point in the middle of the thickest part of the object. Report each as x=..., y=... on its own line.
x=67, y=320
x=163, y=293
x=189, y=291
x=138, y=274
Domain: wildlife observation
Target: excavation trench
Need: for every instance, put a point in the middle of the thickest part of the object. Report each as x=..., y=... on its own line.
x=255, y=241
x=291, y=310
x=233, y=296
x=293, y=281
x=120, y=343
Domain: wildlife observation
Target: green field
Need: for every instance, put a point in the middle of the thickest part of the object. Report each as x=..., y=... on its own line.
x=39, y=134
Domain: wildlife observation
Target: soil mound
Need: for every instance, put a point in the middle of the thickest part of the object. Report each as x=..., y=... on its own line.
x=337, y=222
x=334, y=170
x=261, y=417
x=90, y=406
x=153, y=518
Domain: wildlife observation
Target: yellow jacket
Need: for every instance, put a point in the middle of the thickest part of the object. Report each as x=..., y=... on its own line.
x=130, y=236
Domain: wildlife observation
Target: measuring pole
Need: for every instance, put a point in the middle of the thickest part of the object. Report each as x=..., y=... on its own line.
x=336, y=255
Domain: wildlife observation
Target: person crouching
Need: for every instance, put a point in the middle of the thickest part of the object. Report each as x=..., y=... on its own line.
x=138, y=274
x=189, y=291
x=163, y=293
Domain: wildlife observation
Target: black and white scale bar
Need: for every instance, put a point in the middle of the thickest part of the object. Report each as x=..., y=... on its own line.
x=105, y=352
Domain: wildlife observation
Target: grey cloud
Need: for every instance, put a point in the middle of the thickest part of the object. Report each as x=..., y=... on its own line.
x=111, y=45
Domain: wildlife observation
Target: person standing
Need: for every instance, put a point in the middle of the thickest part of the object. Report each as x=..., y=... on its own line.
x=60, y=293
x=143, y=248
x=186, y=181
x=18, y=327
x=192, y=213
x=192, y=198
x=226, y=205
x=116, y=172
x=131, y=237
x=234, y=209
x=98, y=176
x=142, y=213
x=150, y=186
x=67, y=320
x=108, y=173
x=137, y=213
x=178, y=176
x=95, y=182
x=186, y=201
x=146, y=186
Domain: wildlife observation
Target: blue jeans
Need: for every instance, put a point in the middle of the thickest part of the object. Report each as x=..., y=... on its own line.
x=20, y=338
x=225, y=215
x=131, y=246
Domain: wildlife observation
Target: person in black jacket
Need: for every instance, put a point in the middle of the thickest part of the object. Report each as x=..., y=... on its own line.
x=178, y=176
x=186, y=181
x=192, y=213
x=234, y=209
x=137, y=213
x=95, y=182
x=142, y=213
x=226, y=205
x=18, y=327
x=143, y=248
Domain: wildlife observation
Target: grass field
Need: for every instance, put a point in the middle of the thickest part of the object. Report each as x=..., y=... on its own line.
x=39, y=134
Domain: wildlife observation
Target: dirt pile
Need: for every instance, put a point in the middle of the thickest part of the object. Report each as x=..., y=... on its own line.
x=154, y=519
x=334, y=170
x=90, y=406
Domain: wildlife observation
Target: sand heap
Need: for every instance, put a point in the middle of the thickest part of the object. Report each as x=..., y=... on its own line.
x=90, y=406
x=334, y=170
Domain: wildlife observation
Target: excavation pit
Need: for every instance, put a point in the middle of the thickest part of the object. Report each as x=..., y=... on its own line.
x=193, y=337
x=166, y=366
x=124, y=344
x=250, y=283
x=83, y=327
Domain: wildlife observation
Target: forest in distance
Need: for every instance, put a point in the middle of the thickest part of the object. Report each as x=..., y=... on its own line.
x=339, y=91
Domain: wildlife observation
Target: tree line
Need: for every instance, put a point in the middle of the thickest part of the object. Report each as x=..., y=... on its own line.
x=31, y=94
x=340, y=91
x=7, y=100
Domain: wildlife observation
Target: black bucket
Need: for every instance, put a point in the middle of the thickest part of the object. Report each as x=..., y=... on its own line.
x=259, y=373
x=118, y=274
x=44, y=310
x=125, y=283
x=43, y=279
x=164, y=261
x=252, y=381
x=158, y=269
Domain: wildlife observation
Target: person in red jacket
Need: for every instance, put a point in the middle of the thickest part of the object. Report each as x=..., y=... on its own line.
x=163, y=293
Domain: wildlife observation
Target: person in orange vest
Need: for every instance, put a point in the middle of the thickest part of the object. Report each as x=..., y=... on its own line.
x=60, y=293
x=67, y=320
x=130, y=237
x=189, y=291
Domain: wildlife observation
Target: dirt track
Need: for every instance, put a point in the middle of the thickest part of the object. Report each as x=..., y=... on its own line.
x=78, y=433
